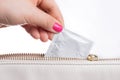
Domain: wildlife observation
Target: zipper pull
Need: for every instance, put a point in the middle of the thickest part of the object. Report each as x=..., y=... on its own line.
x=92, y=57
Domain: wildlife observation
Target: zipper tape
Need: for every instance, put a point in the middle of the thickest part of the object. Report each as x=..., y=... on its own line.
x=41, y=56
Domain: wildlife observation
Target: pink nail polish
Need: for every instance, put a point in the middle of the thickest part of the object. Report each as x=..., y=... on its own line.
x=57, y=27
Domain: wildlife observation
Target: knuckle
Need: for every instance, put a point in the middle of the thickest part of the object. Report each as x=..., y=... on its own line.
x=49, y=23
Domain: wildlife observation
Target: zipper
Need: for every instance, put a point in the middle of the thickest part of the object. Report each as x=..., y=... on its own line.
x=31, y=56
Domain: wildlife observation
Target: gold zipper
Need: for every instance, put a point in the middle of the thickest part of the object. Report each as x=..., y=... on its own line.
x=31, y=56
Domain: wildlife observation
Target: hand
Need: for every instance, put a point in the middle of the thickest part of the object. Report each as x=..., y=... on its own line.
x=43, y=17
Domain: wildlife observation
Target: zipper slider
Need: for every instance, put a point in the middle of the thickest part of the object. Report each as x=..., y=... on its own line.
x=92, y=57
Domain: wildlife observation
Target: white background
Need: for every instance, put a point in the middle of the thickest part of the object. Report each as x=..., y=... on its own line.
x=97, y=20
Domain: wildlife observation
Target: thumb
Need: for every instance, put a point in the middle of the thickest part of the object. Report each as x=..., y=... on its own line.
x=45, y=21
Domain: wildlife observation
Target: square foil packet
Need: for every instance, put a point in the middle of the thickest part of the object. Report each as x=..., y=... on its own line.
x=69, y=45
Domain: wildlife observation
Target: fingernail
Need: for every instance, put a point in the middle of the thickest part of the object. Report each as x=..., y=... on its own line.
x=57, y=27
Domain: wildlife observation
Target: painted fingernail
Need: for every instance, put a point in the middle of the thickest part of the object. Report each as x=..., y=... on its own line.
x=57, y=27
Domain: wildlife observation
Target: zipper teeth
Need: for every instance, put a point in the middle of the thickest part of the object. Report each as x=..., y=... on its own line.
x=41, y=56
x=29, y=56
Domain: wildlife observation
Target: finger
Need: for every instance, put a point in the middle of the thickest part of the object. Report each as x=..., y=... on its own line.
x=27, y=27
x=50, y=35
x=51, y=8
x=39, y=18
x=33, y=31
x=43, y=35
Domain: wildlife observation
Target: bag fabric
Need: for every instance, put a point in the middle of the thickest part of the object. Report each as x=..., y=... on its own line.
x=59, y=70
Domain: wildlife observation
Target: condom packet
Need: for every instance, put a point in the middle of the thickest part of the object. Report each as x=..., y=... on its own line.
x=70, y=45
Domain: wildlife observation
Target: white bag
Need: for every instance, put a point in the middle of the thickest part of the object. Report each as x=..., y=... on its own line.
x=38, y=67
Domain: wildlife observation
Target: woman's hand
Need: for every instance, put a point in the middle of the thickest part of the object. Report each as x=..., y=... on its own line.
x=43, y=17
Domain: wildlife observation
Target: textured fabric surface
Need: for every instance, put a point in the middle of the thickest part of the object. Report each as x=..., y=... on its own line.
x=59, y=70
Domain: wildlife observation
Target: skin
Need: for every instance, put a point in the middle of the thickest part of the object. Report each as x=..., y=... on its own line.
x=40, y=16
